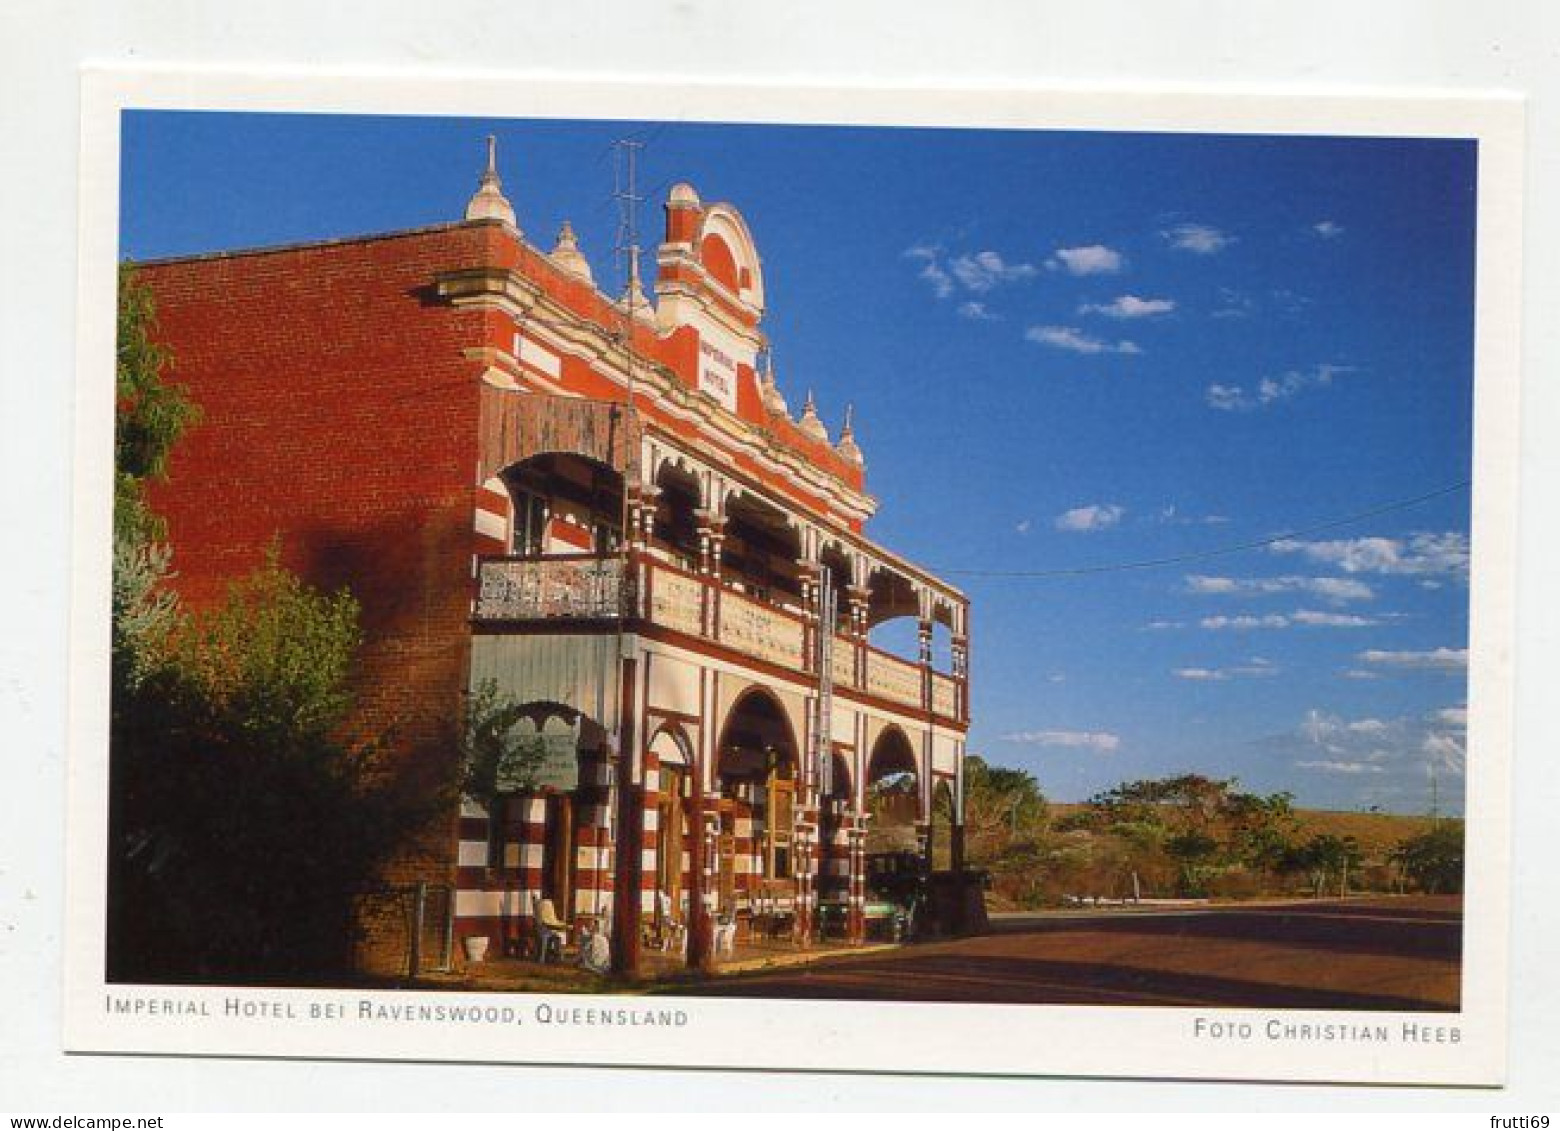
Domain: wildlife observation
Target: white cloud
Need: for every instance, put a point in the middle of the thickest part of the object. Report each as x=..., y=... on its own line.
x=1418, y=554
x=1453, y=717
x=1092, y=259
x=986, y=270
x=1200, y=675
x=1339, y=590
x=1075, y=340
x=1270, y=390
x=1227, y=398
x=1023, y=526
x=1446, y=751
x=931, y=269
x=1327, y=229
x=1199, y=239
x=1098, y=741
x=1435, y=659
x=1245, y=622
x=1257, y=668
x=1399, y=749
x=1328, y=766
x=1161, y=625
x=976, y=312
x=1129, y=306
x=1315, y=619
x=1304, y=618
x=1087, y=520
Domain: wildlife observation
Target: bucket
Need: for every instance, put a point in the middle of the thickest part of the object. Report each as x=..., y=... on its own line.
x=476, y=947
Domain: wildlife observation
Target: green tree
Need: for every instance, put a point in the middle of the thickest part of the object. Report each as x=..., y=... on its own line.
x=243, y=820
x=248, y=822
x=1434, y=859
x=495, y=758
x=1324, y=859
x=1195, y=853
x=1261, y=830
x=1002, y=807
x=152, y=412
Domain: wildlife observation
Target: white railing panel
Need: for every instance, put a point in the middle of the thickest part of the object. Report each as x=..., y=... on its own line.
x=945, y=696
x=760, y=631
x=676, y=602
x=552, y=589
x=894, y=679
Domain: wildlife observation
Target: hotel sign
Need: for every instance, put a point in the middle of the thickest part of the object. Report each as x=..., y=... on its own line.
x=548, y=759
x=718, y=374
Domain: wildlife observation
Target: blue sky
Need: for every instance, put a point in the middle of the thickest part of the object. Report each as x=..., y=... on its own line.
x=1064, y=350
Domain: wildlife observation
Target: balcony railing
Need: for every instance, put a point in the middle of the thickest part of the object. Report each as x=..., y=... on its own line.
x=566, y=588
x=585, y=587
x=945, y=696
x=760, y=631
x=891, y=678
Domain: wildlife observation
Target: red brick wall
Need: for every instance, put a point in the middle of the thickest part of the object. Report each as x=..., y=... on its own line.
x=340, y=415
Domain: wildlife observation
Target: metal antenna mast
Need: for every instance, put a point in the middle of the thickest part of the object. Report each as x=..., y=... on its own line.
x=625, y=163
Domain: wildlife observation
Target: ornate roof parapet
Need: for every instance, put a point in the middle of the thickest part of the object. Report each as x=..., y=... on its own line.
x=769, y=392
x=489, y=201
x=634, y=300
x=811, y=426
x=566, y=254
x=847, y=446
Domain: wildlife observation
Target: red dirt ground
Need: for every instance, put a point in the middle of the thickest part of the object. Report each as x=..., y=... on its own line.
x=1390, y=953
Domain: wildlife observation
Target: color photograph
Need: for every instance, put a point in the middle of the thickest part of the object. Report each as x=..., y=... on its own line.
x=668, y=561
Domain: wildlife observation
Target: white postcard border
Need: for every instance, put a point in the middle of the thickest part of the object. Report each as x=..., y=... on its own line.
x=821, y=1035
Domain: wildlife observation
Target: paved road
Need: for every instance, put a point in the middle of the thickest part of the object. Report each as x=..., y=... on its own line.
x=1360, y=954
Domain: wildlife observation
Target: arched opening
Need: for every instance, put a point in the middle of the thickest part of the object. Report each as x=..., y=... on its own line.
x=896, y=863
x=893, y=795
x=674, y=758
x=675, y=531
x=760, y=553
x=834, y=806
x=833, y=558
x=941, y=832
x=893, y=609
x=942, y=638
x=538, y=828
x=756, y=772
x=564, y=504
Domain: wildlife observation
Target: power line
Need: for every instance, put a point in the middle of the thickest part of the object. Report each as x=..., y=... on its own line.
x=1220, y=551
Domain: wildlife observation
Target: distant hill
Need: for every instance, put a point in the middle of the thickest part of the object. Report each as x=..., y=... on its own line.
x=1377, y=833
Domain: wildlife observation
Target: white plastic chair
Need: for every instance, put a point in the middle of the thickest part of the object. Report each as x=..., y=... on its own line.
x=674, y=933
x=551, y=931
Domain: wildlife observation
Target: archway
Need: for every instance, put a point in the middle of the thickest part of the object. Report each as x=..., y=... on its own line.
x=941, y=832
x=892, y=795
x=756, y=775
x=673, y=755
x=760, y=552
x=675, y=531
x=834, y=818
x=563, y=503
x=544, y=841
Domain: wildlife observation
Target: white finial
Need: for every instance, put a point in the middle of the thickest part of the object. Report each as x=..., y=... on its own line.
x=634, y=299
x=769, y=391
x=847, y=446
x=489, y=202
x=566, y=254
x=810, y=424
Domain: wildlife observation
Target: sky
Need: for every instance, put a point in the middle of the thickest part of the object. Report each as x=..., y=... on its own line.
x=1066, y=351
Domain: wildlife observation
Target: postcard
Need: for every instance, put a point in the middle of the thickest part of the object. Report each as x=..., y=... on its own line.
x=914, y=581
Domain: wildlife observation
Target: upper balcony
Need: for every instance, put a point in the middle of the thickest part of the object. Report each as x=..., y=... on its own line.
x=642, y=592
x=591, y=517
